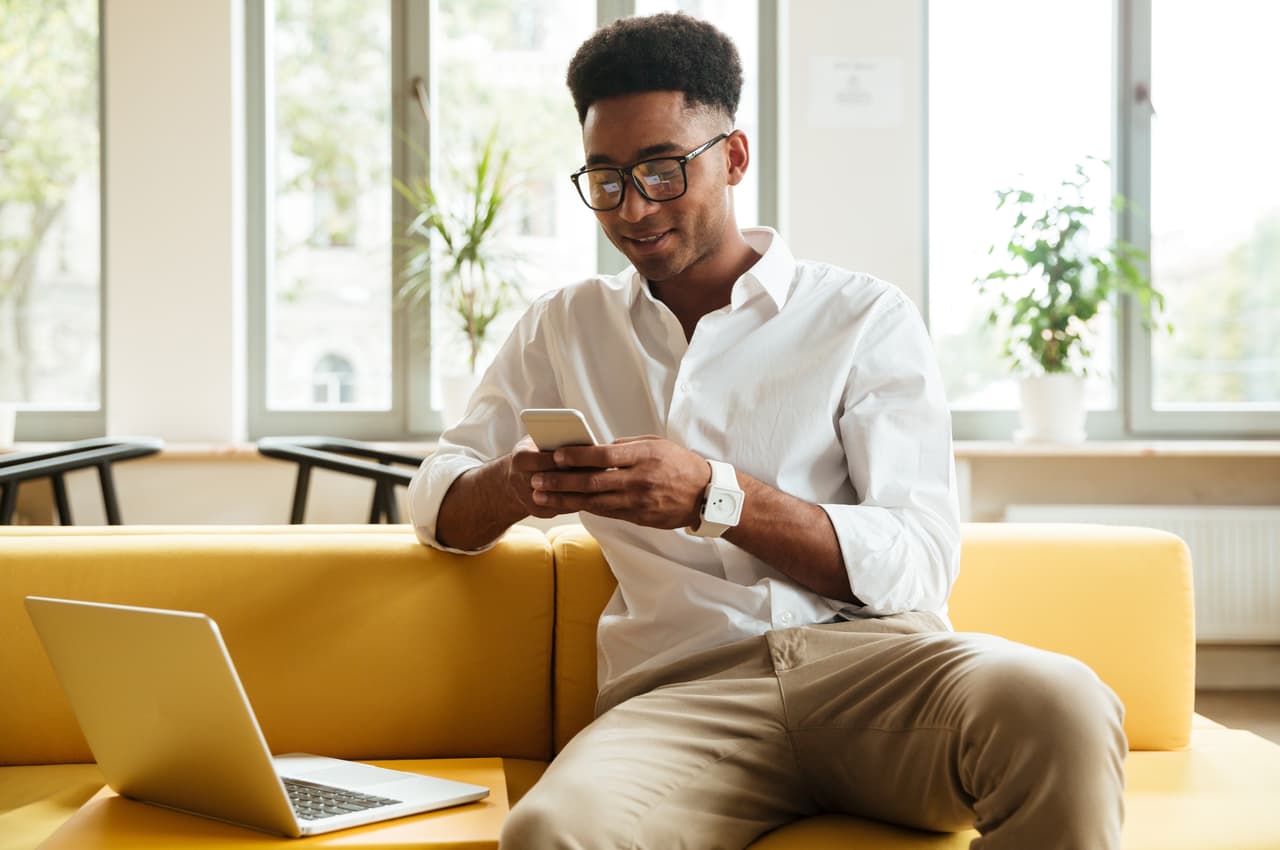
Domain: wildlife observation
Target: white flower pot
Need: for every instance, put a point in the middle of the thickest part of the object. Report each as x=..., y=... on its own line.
x=8, y=423
x=1052, y=410
x=455, y=392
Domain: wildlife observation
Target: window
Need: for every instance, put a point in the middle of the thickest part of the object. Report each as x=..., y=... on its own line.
x=50, y=221
x=991, y=127
x=335, y=115
x=1215, y=215
x=327, y=130
x=501, y=67
x=1198, y=170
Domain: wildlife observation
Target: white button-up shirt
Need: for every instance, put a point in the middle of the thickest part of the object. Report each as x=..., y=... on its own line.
x=816, y=381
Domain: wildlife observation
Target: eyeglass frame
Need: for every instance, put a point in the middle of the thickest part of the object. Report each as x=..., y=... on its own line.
x=627, y=174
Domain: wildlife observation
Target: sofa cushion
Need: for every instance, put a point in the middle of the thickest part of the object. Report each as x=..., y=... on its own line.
x=36, y=799
x=394, y=649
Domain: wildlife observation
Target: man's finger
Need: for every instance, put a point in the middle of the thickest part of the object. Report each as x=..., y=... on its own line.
x=612, y=504
x=600, y=457
x=592, y=481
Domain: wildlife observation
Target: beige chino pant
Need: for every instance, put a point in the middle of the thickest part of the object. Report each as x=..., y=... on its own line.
x=889, y=718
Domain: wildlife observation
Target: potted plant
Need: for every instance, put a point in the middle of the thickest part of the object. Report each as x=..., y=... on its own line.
x=1048, y=289
x=455, y=248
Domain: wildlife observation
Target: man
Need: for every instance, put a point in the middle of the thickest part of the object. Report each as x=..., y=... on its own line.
x=796, y=658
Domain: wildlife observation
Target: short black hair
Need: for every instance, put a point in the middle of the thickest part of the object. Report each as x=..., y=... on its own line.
x=666, y=52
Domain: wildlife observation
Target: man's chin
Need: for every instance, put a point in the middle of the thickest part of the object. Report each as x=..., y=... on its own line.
x=654, y=269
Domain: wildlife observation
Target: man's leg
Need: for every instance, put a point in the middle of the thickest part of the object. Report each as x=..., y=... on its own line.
x=704, y=763
x=943, y=731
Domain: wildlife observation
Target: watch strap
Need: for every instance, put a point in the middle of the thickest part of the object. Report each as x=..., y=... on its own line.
x=722, y=475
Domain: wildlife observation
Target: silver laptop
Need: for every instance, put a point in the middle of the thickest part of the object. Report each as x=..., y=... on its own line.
x=169, y=723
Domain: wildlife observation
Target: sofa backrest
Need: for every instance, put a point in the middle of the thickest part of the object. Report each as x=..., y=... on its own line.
x=1118, y=599
x=351, y=642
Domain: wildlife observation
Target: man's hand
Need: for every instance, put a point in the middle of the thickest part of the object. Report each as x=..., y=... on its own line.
x=645, y=480
x=524, y=462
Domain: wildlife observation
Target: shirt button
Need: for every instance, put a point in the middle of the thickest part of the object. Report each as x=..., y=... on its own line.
x=684, y=386
x=786, y=618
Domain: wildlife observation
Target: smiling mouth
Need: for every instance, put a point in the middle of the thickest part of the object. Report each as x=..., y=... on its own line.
x=648, y=242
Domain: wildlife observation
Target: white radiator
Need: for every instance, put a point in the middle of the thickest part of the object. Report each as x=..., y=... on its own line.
x=1235, y=558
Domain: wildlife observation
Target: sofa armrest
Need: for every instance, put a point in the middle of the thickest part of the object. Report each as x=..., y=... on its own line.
x=1119, y=599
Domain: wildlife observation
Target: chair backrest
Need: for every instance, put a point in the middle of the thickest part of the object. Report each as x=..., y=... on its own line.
x=1119, y=599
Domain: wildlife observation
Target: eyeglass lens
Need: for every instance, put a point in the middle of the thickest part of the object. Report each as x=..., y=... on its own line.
x=657, y=179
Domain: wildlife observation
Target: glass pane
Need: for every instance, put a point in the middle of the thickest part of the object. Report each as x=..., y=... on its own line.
x=50, y=230
x=500, y=66
x=740, y=20
x=1002, y=114
x=1215, y=203
x=329, y=290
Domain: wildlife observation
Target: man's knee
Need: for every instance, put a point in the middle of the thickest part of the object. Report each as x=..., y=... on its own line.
x=548, y=818
x=1049, y=704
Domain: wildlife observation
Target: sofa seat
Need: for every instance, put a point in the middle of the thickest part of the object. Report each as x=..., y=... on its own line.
x=35, y=799
x=1220, y=793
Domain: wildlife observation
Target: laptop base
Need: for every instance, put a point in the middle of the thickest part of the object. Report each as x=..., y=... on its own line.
x=108, y=821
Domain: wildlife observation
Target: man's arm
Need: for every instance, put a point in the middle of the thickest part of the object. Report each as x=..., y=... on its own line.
x=794, y=537
x=485, y=501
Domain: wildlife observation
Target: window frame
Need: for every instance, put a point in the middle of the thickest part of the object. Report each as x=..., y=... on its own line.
x=411, y=416
x=54, y=424
x=1134, y=417
x=1226, y=421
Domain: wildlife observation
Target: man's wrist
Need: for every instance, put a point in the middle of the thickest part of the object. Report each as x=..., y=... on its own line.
x=701, y=497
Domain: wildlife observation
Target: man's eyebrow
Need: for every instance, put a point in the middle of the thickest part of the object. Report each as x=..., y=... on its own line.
x=643, y=153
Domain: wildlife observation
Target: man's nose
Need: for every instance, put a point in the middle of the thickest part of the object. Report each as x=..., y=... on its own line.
x=635, y=206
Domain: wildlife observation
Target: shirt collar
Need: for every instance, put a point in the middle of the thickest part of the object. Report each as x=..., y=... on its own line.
x=772, y=273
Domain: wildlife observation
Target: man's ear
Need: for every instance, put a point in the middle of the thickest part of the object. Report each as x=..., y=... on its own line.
x=738, y=153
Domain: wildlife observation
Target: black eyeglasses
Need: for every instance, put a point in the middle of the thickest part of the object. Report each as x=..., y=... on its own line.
x=661, y=179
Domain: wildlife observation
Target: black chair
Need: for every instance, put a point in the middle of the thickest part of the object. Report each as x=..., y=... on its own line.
x=56, y=462
x=340, y=455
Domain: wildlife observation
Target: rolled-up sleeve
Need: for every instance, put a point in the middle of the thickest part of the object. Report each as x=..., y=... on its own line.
x=521, y=376
x=901, y=540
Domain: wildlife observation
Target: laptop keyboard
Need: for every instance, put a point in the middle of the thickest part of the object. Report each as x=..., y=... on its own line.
x=312, y=801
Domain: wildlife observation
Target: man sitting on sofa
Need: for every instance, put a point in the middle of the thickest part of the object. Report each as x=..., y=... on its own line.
x=797, y=660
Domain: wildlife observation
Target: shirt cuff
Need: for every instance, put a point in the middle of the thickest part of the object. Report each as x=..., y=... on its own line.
x=871, y=543
x=427, y=492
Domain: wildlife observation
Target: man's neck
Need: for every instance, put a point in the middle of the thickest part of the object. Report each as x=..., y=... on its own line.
x=706, y=286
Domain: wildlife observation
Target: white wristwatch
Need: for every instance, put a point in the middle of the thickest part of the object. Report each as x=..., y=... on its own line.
x=721, y=502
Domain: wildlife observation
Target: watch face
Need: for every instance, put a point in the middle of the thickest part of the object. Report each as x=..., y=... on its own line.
x=723, y=506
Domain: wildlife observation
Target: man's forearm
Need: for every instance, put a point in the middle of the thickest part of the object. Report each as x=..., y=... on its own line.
x=478, y=507
x=792, y=536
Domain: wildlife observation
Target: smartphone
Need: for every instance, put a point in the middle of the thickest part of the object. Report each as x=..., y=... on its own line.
x=553, y=427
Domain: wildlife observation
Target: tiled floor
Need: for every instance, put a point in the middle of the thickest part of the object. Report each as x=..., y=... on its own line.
x=1257, y=711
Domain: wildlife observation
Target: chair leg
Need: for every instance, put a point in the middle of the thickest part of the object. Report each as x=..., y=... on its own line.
x=300, y=494
x=8, y=502
x=109, y=494
x=390, y=507
x=375, y=507
x=60, y=500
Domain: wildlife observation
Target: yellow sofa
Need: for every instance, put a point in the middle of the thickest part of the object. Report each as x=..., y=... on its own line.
x=414, y=653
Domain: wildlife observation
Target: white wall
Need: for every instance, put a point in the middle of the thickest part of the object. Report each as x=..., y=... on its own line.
x=855, y=194
x=174, y=223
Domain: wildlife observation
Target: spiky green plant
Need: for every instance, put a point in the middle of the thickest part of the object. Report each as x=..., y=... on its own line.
x=457, y=241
